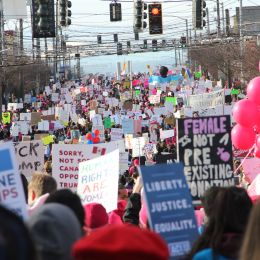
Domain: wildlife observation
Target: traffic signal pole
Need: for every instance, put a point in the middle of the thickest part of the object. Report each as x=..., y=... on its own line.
x=56, y=42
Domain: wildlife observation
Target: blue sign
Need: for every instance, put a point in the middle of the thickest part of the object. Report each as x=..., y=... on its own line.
x=128, y=126
x=6, y=161
x=170, y=208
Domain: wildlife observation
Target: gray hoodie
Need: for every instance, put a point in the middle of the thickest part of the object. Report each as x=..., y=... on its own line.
x=54, y=228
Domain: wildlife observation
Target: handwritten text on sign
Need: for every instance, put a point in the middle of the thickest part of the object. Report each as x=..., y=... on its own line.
x=204, y=146
x=66, y=159
x=98, y=180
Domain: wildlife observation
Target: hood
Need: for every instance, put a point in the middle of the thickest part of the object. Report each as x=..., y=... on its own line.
x=54, y=228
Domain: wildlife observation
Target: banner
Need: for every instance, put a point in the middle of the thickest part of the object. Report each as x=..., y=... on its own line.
x=170, y=208
x=66, y=159
x=11, y=188
x=207, y=100
x=98, y=181
x=164, y=134
x=204, y=146
x=30, y=157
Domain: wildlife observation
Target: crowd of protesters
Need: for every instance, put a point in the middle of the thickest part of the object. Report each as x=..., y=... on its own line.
x=60, y=227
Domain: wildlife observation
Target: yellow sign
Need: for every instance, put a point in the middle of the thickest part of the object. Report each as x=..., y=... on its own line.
x=6, y=118
x=48, y=140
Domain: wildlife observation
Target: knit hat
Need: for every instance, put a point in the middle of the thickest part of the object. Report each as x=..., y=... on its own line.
x=121, y=242
x=95, y=215
x=116, y=216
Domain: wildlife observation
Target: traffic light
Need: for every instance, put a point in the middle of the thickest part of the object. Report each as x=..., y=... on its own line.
x=183, y=41
x=145, y=44
x=65, y=12
x=115, y=37
x=154, y=45
x=155, y=19
x=115, y=12
x=128, y=44
x=140, y=15
x=137, y=36
x=99, y=39
x=43, y=18
x=119, y=49
x=199, y=12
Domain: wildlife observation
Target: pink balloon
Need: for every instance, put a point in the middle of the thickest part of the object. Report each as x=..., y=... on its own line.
x=245, y=113
x=257, y=152
x=253, y=90
x=243, y=137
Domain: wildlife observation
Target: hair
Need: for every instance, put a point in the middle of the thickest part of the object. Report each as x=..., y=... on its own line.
x=68, y=198
x=230, y=213
x=209, y=198
x=15, y=235
x=42, y=183
x=25, y=186
x=251, y=244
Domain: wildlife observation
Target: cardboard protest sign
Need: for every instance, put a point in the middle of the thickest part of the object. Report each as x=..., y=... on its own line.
x=26, y=138
x=170, y=208
x=116, y=134
x=128, y=105
x=66, y=159
x=207, y=100
x=204, y=146
x=128, y=126
x=30, y=157
x=40, y=136
x=93, y=104
x=35, y=118
x=11, y=188
x=98, y=180
x=165, y=158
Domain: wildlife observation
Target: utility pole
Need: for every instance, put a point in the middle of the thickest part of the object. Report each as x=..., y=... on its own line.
x=241, y=38
x=56, y=42
x=218, y=19
x=208, y=25
x=223, y=17
x=21, y=56
x=2, y=49
x=227, y=23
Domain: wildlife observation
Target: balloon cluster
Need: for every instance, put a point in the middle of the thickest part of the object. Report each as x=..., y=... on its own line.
x=246, y=133
x=93, y=138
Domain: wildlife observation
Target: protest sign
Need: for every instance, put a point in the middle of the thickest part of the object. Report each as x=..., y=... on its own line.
x=154, y=99
x=55, y=97
x=107, y=123
x=14, y=106
x=153, y=132
x=116, y=134
x=164, y=134
x=6, y=118
x=48, y=140
x=40, y=136
x=138, y=146
x=30, y=157
x=207, y=100
x=123, y=162
x=93, y=104
x=204, y=146
x=172, y=100
x=66, y=159
x=11, y=188
x=26, y=138
x=128, y=126
x=165, y=158
x=35, y=118
x=27, y=98
x=25, y=117
x=137, y=126
x=44, y=126
x=128, y=141
x=170, y=209
x=98, y=180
